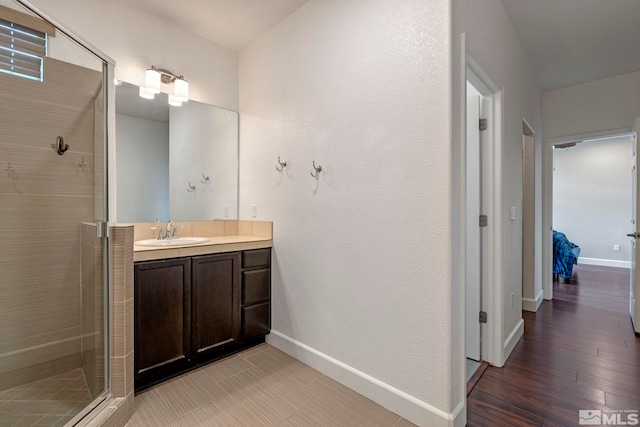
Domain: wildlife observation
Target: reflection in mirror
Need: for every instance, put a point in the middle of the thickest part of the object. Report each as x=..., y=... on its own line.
x=174, y=162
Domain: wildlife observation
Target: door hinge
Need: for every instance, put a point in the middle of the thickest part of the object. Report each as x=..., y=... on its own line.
x=483, y=124
x=102, y=229
x=484, y=221
x=483, y=317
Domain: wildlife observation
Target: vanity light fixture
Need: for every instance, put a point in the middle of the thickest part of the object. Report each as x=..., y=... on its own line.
x=154, y=77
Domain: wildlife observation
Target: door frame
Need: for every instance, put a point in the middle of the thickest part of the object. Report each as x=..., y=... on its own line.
x=492, y=348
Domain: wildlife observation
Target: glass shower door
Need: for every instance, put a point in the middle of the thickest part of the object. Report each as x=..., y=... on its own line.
x=53, y=305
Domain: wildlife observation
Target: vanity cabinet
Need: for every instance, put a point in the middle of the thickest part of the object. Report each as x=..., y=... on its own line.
x=193, y=310
x=162, y=326
x=256, y=293
x=215, y=296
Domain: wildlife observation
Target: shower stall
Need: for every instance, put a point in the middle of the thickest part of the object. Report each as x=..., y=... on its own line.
x=53, y=258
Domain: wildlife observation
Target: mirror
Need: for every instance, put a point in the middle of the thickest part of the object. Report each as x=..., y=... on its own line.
x=176, y=163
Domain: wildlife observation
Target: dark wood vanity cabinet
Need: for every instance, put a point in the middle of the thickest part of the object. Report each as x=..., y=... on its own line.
x=256, y=293
x=190, y=311
x=162, y=324
x=215, y=296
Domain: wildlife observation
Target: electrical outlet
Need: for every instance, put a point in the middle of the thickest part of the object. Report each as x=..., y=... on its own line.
x=616, y=248
x=226, y=211
x=254, y=210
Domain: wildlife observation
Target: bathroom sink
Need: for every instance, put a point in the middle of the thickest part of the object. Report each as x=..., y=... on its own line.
x=180, y=241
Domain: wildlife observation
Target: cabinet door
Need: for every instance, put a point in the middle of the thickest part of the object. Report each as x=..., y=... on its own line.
x=162, y=318
x=215, y=304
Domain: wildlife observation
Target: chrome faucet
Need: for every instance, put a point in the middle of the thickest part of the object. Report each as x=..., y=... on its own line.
x=156, y=226
x=171, y=231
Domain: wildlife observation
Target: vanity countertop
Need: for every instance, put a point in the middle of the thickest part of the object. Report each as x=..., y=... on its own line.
x=215, y=245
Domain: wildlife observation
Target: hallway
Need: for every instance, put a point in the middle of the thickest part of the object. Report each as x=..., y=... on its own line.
x=579, y=352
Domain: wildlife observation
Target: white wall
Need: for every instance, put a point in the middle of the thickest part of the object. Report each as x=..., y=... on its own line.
x=362, y=256
x=491, y=40
x=592, y=196
x=203, y=144
x=592, y=108
x=136, y=40
x=143, y=168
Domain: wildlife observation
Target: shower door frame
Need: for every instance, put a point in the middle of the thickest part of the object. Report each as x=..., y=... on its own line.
x=93, y=413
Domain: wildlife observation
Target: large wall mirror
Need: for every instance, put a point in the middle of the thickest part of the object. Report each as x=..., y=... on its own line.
x=176, y=163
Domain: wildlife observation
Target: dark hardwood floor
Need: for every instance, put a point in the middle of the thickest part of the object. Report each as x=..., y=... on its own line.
x=579, y=352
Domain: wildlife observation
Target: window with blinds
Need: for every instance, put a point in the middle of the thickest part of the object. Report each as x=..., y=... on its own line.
x=22, y=50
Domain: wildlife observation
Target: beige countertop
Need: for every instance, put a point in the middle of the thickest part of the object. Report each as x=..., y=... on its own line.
x=215, y=245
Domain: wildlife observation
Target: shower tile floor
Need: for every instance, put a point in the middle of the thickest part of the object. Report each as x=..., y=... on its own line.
x=50, y=402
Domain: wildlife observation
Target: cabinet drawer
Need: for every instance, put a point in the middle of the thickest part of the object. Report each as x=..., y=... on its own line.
x=256, y=320
x=256, y=258
x=256, y=286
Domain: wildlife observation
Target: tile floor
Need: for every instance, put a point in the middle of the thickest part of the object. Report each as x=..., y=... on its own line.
x=258, y=387
x=48, y=402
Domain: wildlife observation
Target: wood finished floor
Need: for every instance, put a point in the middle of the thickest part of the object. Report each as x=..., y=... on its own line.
x=258, y=387
x=579, y=351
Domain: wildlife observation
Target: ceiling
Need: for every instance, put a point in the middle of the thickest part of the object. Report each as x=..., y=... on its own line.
x=575, y=41
x=229, y=23
x=567, y=41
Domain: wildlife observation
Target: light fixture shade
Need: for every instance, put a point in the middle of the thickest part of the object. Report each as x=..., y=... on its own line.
x=146, y=93
x=181, y=90
x=152, y=80
x=174, y=101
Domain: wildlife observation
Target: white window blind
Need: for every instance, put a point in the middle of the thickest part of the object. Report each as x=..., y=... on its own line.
x=22, y=50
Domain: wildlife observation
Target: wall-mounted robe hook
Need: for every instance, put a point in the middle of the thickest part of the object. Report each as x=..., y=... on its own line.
x=60, y=145
x=282, y=165
x=205, y=179
x=191, y=188
x=82, y=165
x=317, y=168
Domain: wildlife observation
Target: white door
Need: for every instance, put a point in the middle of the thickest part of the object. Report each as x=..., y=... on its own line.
x=473, y=263
x=634, y=309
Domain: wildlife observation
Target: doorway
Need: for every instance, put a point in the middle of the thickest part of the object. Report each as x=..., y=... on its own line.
x=592, y=199
x=531, y=220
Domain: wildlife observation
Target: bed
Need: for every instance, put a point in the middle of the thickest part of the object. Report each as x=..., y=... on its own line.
x=565, y=255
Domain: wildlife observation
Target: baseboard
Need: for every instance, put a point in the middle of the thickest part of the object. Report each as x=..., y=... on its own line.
x=529, y=304
x=604, y=262
x=512, y=339
x=397, y=401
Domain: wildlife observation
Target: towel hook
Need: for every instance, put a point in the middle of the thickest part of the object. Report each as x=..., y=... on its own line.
x=61, y=146
x=205, y=179
x=282, y=165
x=191, y=188
x=318, y=170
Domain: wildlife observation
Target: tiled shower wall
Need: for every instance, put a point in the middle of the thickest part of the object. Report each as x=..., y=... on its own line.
x=44, y=199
